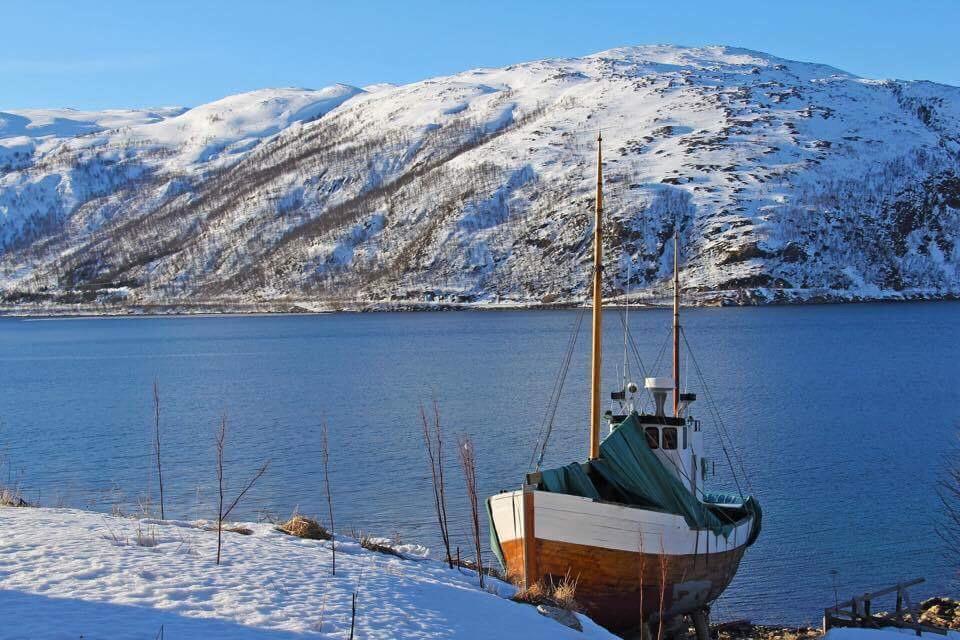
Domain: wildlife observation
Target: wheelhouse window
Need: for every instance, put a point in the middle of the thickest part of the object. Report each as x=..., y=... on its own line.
x=669, y=437
x=653, y=437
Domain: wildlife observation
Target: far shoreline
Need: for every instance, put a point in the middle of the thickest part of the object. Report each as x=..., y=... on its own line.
x=227, y=310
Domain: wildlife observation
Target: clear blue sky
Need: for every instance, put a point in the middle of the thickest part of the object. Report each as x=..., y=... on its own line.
x=138, y=53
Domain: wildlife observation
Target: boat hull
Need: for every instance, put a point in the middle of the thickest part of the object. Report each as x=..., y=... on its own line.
x=631, y=565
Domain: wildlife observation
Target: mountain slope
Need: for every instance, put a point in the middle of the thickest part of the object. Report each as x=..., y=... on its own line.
x=61, y=167
x=788, y=181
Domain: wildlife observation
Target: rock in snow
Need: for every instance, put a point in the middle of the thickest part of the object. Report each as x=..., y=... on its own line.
x=788, y=181
x=72, y=574
x=562, y=616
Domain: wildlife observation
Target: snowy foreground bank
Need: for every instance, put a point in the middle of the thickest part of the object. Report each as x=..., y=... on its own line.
x=75, y=574
x=70, y=574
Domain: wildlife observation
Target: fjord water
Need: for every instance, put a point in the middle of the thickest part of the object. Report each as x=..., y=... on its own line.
x=842, y=416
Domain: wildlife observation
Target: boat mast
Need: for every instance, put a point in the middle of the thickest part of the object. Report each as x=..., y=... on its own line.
x=597, y=311
x=676, y=323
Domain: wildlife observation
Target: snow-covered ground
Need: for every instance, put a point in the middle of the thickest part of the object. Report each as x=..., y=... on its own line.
x=75, y=574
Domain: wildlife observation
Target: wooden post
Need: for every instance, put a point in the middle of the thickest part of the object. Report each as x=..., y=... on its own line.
x=701, y=623
x=914, y=614
x=597, y=311
x=530, y=576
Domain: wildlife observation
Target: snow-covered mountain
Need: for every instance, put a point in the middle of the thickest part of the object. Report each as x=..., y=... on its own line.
x=789, y=181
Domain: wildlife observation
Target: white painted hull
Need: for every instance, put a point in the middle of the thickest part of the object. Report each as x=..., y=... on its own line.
x=576, y=520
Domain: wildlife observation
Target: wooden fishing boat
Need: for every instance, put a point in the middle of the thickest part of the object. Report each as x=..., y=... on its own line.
x=633, y=525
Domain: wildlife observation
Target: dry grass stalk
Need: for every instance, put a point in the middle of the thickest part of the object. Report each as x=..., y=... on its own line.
x=643, y=566
x=493, y=572
x=156, y=441
x=12, y=498
x=662, y=557
x=325, y=453
x=553, y=594
x=116, y=538
x=318, y=627
x=10, y=493
x=145, y=506
x=223, y=514
x=370, y=543
x=144, y=538
x=433, y=439
x=221, y=443
x=468, y=461
x=353, y=614
x=949, y=494
x=353, y=606
x=304, y=527
x=147, y=538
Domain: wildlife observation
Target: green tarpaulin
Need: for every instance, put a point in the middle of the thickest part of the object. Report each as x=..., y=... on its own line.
x=571, y=479
x=629, y=466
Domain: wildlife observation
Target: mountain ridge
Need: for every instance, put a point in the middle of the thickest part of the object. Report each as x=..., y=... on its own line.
x=788, y=181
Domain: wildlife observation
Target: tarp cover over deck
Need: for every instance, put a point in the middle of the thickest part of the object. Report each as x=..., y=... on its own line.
x=632, y=472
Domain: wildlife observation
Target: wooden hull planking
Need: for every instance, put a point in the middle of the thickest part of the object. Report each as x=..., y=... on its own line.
x=616, y=554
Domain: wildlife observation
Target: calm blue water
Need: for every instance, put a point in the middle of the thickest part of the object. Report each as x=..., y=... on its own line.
x=843, y=416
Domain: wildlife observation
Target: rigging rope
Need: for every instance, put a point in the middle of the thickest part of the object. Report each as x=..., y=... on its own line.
x=546, y=427
x=628, y=339
x=697, y=489
x=628, y=335
x=656, y=363
x=722, y=430
x=663, y=349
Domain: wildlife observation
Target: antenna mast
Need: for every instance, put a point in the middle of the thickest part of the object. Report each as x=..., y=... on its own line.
x=597, y=311
x=676, y=322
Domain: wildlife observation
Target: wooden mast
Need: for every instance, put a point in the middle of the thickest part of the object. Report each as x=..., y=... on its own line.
x=676, y=322
x=597, y=311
